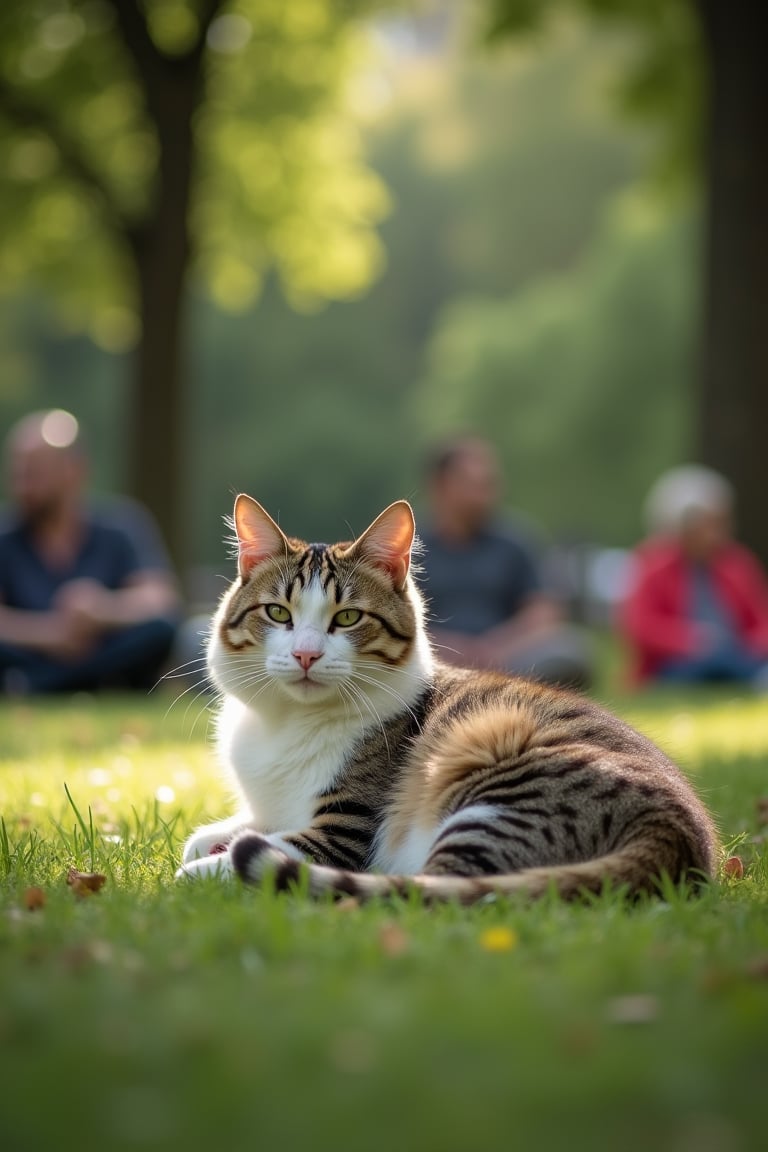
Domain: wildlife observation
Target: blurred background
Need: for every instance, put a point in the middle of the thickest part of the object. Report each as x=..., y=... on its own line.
x=281, y=247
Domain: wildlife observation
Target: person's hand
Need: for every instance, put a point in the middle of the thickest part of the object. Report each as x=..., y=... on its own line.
x=86, y=603
x=67, y=638
x=78, y=617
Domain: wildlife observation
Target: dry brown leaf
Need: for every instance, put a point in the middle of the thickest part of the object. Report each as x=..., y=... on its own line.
x=33, y=898
x=347, y=904
x=392, y=940
x=85, y=883
x=734, y=868
x=757, y=968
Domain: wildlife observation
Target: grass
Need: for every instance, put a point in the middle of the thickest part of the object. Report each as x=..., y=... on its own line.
x=156, y=1016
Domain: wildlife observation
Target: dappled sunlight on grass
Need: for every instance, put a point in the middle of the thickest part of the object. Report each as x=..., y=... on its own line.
x=694, y=728
x=210, y=1000
x=135, y=775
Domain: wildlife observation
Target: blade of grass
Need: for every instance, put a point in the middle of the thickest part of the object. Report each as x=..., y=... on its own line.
x=87, y=829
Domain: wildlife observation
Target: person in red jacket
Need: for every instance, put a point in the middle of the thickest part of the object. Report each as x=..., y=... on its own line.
x=697, y=604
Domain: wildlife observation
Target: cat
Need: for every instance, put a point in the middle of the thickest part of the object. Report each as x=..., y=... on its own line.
x=365, y=763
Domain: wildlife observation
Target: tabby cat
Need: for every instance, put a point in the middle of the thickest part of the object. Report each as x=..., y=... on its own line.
x=356, y=751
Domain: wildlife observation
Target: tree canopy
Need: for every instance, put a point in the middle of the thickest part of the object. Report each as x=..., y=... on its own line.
x=701, y=67
x=279, y=178
x=143, y=140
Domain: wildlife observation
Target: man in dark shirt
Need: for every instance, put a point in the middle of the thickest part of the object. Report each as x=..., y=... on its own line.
x=87, y=598
x=487, y=600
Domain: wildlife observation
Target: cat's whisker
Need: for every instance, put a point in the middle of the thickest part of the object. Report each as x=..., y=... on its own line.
x=446, y=648
x=202, y=691
x=359, y=694
x=196, y=687
x=186, y=669
x=248, y=679
x=416, y=675
x=348, y=698
x=389, y=690
x=190, y=687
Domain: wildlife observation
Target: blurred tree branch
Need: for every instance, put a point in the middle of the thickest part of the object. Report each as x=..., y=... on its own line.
x=26, y=114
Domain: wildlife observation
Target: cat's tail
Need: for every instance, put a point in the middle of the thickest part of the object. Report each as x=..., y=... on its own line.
x=628, y=869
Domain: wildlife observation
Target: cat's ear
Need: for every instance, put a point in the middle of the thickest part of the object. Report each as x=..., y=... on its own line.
x=258, y=537
x=388, y=542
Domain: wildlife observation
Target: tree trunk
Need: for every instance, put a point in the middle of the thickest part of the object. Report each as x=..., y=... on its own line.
x=161, y=250
x=733, y=398
x=155, y=438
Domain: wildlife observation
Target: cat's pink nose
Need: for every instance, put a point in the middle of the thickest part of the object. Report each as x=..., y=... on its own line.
x=306, y=657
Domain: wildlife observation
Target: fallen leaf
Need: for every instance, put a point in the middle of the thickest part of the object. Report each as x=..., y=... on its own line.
x=33, y=898
x=80, y=956
x=715, y=979
x=757, y=968
x=734, y=868
x=499, y=939
x=580, y=1039
x=392, y=940
x=347, y=904
x=85, y=883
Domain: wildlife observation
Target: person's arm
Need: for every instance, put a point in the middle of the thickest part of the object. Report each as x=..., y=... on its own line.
x=24, y=629
x=145, y=596
x=648, y=626
x=753, y=590
x=52, y=633
x=537, y=617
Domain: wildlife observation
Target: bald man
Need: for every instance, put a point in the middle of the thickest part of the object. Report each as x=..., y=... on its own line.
x=87, y=597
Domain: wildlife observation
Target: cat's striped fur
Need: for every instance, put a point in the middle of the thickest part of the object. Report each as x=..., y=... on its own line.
x=358, y=753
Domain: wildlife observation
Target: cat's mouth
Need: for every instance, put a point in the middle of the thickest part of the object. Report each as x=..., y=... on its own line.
x=308, y=684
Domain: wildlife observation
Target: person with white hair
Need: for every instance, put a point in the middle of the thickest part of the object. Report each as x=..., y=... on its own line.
x=696, y=609
x=87, y=596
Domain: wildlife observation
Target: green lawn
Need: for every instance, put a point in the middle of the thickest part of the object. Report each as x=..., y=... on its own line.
x=154, y=1016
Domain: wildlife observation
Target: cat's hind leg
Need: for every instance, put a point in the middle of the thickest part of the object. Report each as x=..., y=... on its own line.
x=482, y=839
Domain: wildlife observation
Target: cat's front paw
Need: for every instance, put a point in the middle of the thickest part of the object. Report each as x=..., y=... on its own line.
x=218, y=866
x=253, y=857
x=211, y=840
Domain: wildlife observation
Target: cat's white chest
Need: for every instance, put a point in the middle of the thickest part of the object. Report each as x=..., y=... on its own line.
x=281, y=770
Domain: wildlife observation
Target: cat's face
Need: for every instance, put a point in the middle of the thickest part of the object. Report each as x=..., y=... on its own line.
x=317, y=622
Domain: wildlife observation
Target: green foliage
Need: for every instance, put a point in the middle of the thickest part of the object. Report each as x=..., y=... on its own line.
x=581, y=379
x=160, y=1015
x=497, y=213
x=281, y=180
x=664, y=81
x=321, y=416
x=280, y=177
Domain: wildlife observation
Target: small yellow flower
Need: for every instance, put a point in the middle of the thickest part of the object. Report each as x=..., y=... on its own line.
x=499, y=939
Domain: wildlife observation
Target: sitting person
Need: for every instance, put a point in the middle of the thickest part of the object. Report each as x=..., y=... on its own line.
x=486, y=596
x=87, y=598
x=697, y=605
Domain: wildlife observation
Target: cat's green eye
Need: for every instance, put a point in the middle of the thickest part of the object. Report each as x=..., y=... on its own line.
x=347, y=617
x=278, y=614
